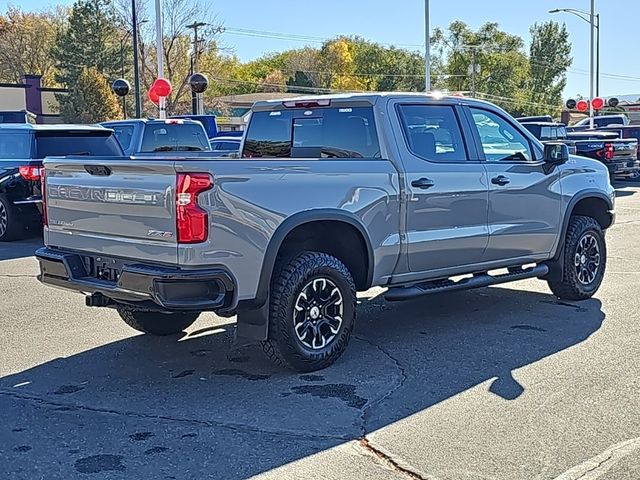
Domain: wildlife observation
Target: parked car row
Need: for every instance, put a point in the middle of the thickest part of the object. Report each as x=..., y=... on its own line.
x=613, y=142
x=23, y=146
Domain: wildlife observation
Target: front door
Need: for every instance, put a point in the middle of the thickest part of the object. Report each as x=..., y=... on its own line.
x=447, y=197
x=524, y=195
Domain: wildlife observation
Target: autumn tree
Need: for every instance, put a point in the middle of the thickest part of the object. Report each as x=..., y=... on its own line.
x=26, y=43
x=90, y=101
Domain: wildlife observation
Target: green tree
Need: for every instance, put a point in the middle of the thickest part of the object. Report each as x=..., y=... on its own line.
x=90, y=101
x=90, y=39
x=549, y=59
x=488, y=62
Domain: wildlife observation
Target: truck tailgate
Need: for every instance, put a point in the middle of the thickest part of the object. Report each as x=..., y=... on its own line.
x=112, y=207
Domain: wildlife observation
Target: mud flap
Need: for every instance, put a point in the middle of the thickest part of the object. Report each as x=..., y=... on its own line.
x=252, y=324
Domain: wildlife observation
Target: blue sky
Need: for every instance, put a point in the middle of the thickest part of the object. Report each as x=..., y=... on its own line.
x=400, y=22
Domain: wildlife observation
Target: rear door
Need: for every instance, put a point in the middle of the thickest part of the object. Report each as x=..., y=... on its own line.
x=446, y=218
x=524, y=199
x=112, y=207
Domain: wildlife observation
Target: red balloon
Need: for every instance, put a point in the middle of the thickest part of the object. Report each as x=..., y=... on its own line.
x=153, y=96
x=597, y=103
x=582, y=105
x=163, y=87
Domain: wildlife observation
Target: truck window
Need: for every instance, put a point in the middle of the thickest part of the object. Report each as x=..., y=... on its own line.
x=433, y=132
x=15, y=145
x=313, y=133
x=124, y=134
x=545, y=133
x=60, y=144
x=171, y=137
x=501, y=142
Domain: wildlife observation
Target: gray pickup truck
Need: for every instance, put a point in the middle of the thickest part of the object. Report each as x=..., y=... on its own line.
x=331, y=195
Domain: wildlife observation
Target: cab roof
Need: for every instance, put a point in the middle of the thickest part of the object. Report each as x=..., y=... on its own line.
x=365, y=97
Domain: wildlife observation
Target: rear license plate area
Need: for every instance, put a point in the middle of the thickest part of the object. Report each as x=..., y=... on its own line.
x=103, y=268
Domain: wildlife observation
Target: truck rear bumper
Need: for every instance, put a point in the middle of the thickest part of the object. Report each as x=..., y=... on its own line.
x=626, y=168
x=161, y=288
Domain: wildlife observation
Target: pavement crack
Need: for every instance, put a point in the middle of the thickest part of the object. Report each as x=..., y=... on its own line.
x=191, y=421
x=596, y=467
x=394, y=388
x=388, y=461
x=9, y=275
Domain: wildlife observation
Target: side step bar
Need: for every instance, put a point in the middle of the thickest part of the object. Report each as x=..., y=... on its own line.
x=396, y=294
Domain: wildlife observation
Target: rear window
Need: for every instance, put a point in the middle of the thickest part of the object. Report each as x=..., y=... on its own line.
x=348, y=132
x=225, y=145
x=124, y=134
x=174, y=137
x=61, y=144
x=15, y=145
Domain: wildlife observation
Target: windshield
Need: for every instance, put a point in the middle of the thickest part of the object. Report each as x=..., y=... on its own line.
x=174, y=137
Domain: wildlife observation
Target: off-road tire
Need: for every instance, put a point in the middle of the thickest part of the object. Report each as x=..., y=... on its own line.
x=570, y=287
x=156, y=323
x=283, y=346
x=12, y=228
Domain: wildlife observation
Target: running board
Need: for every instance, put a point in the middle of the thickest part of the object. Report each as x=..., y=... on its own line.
x=396, y=294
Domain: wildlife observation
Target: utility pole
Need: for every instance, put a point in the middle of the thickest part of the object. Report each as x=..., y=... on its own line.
x=160, y=55
x=136, y=71
x=592, y=76
x=196, y=68
x=427, y=48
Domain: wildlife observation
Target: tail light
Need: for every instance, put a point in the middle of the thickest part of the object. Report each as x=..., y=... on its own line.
x=30, y=173
x=608, y=151
x=43, y=193
x=192, y=221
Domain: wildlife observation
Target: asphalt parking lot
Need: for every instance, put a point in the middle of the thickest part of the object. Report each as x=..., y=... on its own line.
x=498, y=383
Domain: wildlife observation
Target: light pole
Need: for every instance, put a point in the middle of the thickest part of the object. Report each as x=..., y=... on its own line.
x=593, y=20
x=136, y=71
x=427, y=48
x=160, y=55
x=123, y=39
x=196, y=69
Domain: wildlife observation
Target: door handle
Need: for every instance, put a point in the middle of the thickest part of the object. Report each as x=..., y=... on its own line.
x=422, y=183
x=500, y=180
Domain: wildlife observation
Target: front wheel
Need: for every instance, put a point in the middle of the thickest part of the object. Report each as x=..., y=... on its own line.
x=585, y=258
x=312, y=312
x=156, y=323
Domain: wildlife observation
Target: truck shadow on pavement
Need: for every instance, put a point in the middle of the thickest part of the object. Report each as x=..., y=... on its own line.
x=20, y=249
x=198, y=407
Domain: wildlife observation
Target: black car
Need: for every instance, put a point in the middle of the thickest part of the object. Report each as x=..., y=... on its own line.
x=620, y=155
x=548, y=131
x=22, y=149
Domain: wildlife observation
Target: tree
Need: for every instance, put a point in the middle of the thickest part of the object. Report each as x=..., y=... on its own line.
x=549, y=59
x=26, y=42
x=91, y=39
x=90, y=101
x=488, y=62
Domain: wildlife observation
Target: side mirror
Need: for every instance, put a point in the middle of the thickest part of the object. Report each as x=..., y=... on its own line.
x=556, y=153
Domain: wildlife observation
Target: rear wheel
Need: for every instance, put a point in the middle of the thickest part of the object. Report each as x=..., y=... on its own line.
x=312, y=312
x=585, y=258
x=10, y=227
x=156, y=323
